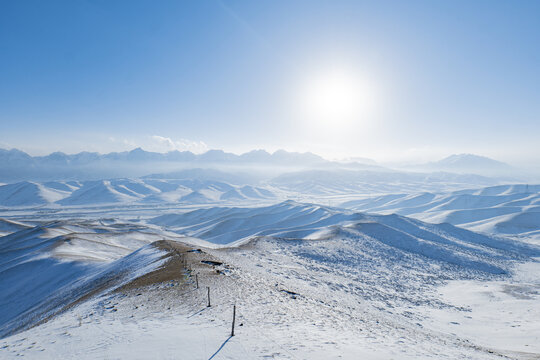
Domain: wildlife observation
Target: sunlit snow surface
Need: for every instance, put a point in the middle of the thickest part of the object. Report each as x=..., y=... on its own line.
x=512, y=210
x=309, y=281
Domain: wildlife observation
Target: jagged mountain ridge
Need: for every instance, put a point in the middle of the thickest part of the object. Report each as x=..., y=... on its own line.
x=18, y=165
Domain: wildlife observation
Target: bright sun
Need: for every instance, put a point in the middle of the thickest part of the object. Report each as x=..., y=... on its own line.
x=336, y=98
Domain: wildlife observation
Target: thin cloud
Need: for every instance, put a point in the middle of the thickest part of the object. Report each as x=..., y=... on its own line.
x=165, y=144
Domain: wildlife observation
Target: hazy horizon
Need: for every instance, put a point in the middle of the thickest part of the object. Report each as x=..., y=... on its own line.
x=389, y=81
x=201, y=148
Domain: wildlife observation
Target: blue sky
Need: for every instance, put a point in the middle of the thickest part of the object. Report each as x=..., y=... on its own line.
x=442, y=77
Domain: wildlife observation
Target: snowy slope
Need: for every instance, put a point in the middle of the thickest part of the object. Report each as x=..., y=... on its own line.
x=100, y=192
x=44, y=269
x=29, y=194
x=127, y=191
x=8, y=226
x=505, y=209
x=309, y=282
x=289, y=220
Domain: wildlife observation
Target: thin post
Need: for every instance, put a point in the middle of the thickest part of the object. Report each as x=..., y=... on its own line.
x=197, y=280
x=208, y=287
x=233, y=319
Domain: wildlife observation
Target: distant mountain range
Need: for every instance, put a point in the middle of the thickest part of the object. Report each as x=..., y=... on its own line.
x=281, y=157
x=16, y=165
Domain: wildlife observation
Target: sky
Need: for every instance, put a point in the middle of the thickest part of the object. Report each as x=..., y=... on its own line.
x=404, y=81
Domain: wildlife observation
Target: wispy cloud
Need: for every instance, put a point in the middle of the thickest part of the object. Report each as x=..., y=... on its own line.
x=164, y=144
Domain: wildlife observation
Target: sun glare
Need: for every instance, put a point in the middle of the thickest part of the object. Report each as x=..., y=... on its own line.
x=336, y=98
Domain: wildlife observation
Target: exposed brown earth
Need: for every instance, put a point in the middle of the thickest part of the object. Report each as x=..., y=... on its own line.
x=184, y=262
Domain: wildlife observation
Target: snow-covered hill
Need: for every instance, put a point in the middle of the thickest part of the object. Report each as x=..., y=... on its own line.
x=504, y=209
x=9, y=226
x=29, y=194
x=290, y=220
x=316, y=281
x=340, y=182
x=46, y=268
x=127, y=191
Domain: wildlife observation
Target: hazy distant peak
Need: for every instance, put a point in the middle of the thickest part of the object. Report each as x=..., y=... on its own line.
x=256, y=155
x=14, y=157
x=139, y=154
x=57, y=157
x=215, y=151
x=360, y=160
x=257, y=151
x=218, y=156
x=138, y=150
x=307, y=156
x=469, y=159
x=57, y=154
x=470, y=163
x=13, y=152
x=180, y=156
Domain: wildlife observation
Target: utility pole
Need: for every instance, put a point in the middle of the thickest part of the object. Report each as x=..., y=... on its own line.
x=233, y=319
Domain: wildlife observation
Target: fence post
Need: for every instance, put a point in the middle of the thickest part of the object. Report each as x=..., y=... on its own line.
x=233, y=319
x=197, y=280
x=208, y=287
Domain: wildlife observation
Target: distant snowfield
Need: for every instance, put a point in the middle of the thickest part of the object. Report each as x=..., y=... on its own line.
x=310, y=281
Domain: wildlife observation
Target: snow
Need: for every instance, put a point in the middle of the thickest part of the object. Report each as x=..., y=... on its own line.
x=126, y=191
x=99, y=192
x=47, y=267
x=355, y=296
x=169, y=336
x=310, y=280
x=505, y=209
x=28, y=194
x=8, y=226
x=500, y=314
x=291, y=220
